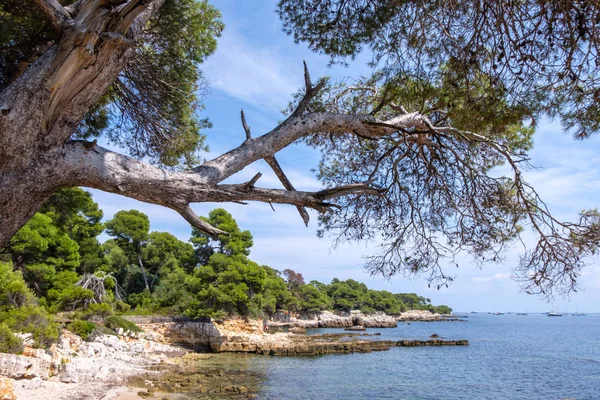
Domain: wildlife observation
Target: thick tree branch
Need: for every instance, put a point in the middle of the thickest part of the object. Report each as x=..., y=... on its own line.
x=250, y=184
x=190, y=216
x=295, y=128
x=55, y=12
x=111, y=172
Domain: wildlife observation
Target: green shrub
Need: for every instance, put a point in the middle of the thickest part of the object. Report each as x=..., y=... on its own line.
x=82, y=328
x=99, y=311
x=442, y=309
x=34, y=320
x=9, y=343
x=71, y=298
x=122, y=307
x=140, y=300
x=196, y=311
x=101, y=329
x=113, y=322
x=13, y=290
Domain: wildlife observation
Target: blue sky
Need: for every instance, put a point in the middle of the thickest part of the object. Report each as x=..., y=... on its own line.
x=257, y=68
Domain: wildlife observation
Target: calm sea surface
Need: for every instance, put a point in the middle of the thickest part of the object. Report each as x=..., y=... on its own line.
x=509, y=357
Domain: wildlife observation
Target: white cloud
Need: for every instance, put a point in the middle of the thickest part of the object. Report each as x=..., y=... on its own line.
x=252, y=72
x=487, y=279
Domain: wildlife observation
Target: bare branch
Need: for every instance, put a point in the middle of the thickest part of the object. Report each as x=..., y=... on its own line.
x=307, y=83
x=310, y=92
x=355, y=188
x=190, y=216
x=286, y=184
x=55, y=12
x=250, y=184
x=245, y=125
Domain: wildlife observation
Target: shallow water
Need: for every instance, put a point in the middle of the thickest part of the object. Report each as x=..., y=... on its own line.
x=509, y=357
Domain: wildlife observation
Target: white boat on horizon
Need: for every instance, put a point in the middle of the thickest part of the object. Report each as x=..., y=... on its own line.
x=554, y=314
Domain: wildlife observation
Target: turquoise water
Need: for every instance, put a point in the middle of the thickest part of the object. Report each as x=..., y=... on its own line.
x=509, y=357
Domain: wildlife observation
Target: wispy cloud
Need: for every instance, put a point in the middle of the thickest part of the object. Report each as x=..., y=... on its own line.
x=252, y=72
x=488, y=279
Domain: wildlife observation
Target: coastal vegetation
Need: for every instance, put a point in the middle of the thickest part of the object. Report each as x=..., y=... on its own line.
x=56, y=264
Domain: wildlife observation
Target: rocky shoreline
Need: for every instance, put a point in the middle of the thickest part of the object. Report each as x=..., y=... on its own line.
x=327, y=319
x=132, y=366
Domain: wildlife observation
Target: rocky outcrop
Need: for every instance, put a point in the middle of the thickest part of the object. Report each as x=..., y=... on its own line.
x=377, y=320
x=248, y=336
x=72, y=360
x=356, y=328
x=230, y=335
x=236, y=335
x=23, y=367
x=192, y=335
x=425, y=316
x=328, y=319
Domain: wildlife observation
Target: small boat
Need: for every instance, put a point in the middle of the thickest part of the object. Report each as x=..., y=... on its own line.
x=554, y=314
x=521, y=313
x=577, y=313
x=498, y=313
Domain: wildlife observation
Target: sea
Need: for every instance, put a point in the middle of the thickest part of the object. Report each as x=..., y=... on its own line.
x=509, y=357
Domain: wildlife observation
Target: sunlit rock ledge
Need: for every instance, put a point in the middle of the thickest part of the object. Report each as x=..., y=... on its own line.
x=249, y=336
x=328, y=319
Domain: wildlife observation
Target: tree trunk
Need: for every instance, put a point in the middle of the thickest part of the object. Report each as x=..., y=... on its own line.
x=40, y=110
x=139, y=256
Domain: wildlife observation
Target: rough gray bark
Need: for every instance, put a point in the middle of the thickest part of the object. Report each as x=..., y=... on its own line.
x=40, y=110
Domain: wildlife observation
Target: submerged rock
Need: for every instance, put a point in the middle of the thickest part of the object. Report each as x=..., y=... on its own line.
x=356, y=328
x=432, y=342
x=298, y=329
